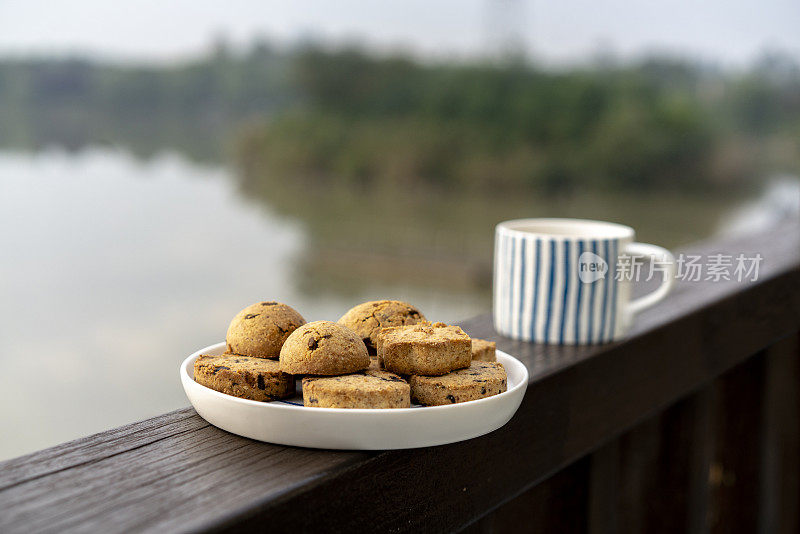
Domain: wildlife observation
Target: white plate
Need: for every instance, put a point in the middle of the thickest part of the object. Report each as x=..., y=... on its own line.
x=287, y=423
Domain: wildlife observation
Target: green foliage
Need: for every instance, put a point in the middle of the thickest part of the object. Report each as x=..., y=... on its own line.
x=391, y=122
x=346, y=118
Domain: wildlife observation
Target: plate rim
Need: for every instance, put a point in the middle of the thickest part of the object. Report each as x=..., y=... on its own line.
x=188, y=380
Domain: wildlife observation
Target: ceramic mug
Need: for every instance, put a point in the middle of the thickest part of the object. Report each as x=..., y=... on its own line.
x=568, y=281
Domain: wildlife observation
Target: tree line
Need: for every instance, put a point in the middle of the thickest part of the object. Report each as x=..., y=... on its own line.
x=660, y=124
x=346, y=118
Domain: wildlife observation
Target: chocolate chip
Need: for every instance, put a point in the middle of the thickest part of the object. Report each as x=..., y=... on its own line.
x=251, y=315
x=220, y=367
x=312, y=343
x=260, y=382
x=451, y=398
x=313, y=401
x=483, y=391
x=270, y=303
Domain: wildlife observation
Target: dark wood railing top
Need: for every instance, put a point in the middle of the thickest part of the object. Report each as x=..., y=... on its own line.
x=176, y=472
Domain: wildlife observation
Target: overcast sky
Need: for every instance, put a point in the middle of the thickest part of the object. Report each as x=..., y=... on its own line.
x=732, y=32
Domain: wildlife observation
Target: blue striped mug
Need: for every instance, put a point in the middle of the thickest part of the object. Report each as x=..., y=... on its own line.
x=568, y=281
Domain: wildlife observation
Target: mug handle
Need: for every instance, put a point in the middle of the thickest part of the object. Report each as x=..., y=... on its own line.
x=652, y=252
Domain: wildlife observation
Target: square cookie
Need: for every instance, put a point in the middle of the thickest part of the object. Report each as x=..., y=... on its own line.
x=478, y=381
x=424, y=349
x=483, y=350
x=368, y=389
x=246, y=377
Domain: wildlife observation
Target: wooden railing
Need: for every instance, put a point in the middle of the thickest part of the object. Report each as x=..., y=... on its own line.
x=689, y=424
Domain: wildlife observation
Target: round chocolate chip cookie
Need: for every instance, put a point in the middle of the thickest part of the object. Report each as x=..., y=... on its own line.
x=323, y=348
x=369, y=318
x=370, y=389
x=479, y=380
x=260, y=330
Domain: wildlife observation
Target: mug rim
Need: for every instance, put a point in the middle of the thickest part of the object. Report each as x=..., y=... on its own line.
x=612, y=230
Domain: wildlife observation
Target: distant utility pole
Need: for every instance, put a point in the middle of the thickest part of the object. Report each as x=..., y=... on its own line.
x=505, y=27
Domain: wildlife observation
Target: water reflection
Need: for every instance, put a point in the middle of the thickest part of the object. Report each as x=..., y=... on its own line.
x=444, y=238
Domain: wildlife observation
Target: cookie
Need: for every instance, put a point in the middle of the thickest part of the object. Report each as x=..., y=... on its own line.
x=368, y=318
x=260, y=330
x=242, y=376
x=370, y=389
x=483, y=350
x=323, y=348
x=424, y=349
x=479, y=380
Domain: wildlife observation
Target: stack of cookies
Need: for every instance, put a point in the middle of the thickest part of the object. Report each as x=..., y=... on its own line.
x=380, y=354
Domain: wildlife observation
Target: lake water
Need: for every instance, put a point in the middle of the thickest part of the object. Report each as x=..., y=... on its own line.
x=113, y=269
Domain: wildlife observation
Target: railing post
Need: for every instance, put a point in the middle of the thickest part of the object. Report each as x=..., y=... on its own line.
x=735, y=473
x=780, y=497
x=654, y=478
